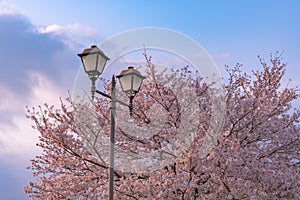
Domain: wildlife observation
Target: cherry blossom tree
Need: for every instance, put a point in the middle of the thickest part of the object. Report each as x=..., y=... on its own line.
x=255, y=156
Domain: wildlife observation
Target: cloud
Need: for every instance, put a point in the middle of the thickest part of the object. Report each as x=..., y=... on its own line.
x=51, y=29
x=18, y=139
x=7, y=9
x=23, y=52
x=21, y=138
x=71, y=34
x=34, y=69
x=70, y=29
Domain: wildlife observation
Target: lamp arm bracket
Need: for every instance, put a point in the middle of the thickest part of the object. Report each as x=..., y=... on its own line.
x=108, y=96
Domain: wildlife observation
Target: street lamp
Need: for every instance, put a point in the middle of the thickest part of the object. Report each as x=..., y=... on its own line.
x=131, y=81
x=94, y=60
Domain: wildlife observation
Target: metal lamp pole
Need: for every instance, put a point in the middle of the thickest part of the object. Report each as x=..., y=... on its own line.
x=94, y=60
x=112, y=139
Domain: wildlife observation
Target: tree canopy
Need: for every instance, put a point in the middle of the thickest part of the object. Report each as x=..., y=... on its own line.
x=255, y=154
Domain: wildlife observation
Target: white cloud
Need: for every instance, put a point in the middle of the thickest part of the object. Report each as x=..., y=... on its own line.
x=45, y=90
x=7, y=9
x=70, y=29
x=40, y=79
x=9, y=101
x=20, y=139
x=51, y=29
x=78, y=29
x=72, y=34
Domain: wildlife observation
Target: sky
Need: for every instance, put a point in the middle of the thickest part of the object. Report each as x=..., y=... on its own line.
x=39, y=42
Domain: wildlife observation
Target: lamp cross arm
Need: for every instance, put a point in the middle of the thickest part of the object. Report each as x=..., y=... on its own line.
x=108, y=96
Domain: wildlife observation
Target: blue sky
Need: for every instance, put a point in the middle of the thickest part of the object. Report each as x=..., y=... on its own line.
x=39, y=41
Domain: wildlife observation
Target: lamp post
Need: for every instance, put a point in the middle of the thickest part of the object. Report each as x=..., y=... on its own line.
x=94, y=60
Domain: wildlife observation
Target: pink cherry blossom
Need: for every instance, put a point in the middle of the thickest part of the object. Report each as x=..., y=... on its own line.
x=256, y=156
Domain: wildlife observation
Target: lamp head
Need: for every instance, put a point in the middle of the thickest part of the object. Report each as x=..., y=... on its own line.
x=93, y=60
x=131, y=81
